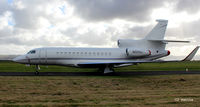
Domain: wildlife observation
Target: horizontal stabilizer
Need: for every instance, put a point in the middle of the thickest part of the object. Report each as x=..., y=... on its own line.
x=191, y=55
x=166, y=41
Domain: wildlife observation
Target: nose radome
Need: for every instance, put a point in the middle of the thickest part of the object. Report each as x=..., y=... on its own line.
x=20, y=59
x=15, y=59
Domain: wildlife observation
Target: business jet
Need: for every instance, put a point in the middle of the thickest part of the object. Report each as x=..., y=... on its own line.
x=129, y=52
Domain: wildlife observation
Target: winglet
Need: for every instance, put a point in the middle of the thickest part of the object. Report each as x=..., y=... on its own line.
x=191, y=55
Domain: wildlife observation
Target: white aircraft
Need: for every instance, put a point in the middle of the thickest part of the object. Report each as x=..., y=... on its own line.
x=129, y=52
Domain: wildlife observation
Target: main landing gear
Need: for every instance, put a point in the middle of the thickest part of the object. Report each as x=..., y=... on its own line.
x=37, y=68
x=107, y=69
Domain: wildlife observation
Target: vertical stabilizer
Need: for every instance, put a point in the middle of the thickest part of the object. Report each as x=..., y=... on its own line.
x=158, y=32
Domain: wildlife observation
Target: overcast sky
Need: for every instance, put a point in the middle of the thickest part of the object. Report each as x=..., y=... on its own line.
x=27, y=24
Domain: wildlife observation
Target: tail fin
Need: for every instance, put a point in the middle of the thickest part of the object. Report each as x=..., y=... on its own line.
x=158, y=32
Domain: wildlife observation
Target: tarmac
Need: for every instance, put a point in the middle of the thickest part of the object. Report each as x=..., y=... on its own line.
x=141, y=73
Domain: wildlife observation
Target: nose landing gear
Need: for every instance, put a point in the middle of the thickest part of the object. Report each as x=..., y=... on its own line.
x=37, y=67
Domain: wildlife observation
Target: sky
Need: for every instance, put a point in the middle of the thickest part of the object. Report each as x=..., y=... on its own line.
x=28, y=24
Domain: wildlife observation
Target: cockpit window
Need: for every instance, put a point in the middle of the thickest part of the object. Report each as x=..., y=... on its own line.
x=31, y=52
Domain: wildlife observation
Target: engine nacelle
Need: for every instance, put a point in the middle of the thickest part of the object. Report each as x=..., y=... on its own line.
x=126, y=42
x=122, y=43
x=137, y=53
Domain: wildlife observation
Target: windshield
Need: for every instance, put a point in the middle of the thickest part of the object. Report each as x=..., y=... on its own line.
x=31, y=52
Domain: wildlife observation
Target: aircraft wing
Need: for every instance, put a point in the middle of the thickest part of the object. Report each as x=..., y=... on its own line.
x=127, y=63
x=191, y=55
x=115, y=64
x=187, y=58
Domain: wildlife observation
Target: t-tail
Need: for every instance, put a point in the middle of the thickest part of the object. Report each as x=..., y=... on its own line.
x=154, y=43
x=154, y=39
x=157, y=34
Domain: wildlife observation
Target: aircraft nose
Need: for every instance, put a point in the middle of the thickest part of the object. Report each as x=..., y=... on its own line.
x=20, y=59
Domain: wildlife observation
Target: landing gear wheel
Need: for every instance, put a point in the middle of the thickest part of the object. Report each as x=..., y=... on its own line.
x=37, y=68
x=108, y=69
x=36, y=73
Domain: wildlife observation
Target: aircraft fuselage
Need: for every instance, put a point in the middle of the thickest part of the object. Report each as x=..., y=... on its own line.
x=75, y=56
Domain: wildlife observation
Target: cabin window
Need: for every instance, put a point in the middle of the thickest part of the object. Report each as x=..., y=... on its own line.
x=73, y=52
x=85, y=52
x=77, y=52
x=31, y=52
x=97, y=53
x=106, y=53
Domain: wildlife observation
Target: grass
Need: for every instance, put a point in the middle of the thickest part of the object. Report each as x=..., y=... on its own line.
x=100, y=91
x=7, y=66
x=142, y=91
x=180, y=66
x=173, y=66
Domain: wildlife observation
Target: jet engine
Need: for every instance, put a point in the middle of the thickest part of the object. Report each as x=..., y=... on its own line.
x=137, y=53
x=126, y=42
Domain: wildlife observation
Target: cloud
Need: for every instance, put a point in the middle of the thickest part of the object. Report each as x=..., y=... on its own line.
x=6, y=28
x=26, y=24
x=4, y=6
x=187, y=30
x=98, y=10
x=27, y=14
x=190, y=6
x=31, y=22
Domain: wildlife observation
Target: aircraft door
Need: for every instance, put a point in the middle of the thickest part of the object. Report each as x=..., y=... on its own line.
x=43, y=56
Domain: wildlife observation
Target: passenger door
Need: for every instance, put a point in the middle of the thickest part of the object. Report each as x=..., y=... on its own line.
x=43, y=56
